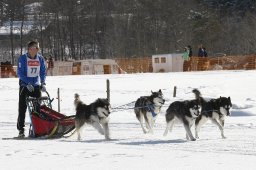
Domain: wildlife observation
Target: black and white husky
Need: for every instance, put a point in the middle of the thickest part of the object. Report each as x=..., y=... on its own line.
x=147, y=108
x=95, y=114
x=216, y=110
x=185, y=112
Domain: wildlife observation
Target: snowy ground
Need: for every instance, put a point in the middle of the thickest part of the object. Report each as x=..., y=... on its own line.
x=130, y=148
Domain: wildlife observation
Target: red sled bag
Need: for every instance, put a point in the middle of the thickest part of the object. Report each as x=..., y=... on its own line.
x=45, y=122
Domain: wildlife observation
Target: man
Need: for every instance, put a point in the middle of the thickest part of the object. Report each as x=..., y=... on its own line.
x=200, y=51
x=32, y=74
x=186, y=58
x=50, y=66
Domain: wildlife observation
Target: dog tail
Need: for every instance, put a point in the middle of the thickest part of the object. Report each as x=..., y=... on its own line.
x=198, y=96
x=77, y=99
x=197, y=93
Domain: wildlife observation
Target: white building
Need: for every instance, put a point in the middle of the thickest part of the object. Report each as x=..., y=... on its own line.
x=167, y=63
x=90, y=66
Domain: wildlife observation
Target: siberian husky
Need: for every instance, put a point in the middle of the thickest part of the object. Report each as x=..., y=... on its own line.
x=184, y=111
x=95, y=114
x=147, y=108
x=216, y=110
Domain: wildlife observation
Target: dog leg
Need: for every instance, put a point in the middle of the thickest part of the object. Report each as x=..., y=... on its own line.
x=140, y=118
x=106, y=131
x=220, y=127
x=78, y=129
x=148, y=120
x=169, y=127
x=221, y=122
x=199, y=122
x=188, y=132
x=98, y=127
x=141, y=124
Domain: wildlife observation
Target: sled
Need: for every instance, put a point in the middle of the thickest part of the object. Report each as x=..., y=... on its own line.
x=46, y=122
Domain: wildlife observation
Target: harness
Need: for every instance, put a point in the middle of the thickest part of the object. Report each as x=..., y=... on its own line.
x=148, y=108
x=151, y=108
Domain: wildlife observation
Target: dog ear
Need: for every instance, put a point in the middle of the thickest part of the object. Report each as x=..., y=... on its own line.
x=229, y=99
x=76, y=95
x=152, y=92
x=160, y=91
x=220, y=100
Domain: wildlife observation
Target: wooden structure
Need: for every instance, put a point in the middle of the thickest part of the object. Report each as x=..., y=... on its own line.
x=135, y=65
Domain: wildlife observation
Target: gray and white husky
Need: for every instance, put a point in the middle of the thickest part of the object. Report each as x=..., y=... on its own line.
x=95, y=114
x=216, y=110
x=185, y=112
x=147, y=108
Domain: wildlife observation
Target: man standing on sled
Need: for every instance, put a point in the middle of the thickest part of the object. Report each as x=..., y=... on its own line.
x=32, y=73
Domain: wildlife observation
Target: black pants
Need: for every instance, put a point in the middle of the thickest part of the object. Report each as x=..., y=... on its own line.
x=23, y=94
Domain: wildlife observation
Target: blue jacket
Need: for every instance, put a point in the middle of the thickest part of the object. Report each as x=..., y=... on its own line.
x=31, y=71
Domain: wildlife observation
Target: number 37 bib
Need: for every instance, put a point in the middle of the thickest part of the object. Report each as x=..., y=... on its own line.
x=33, y=67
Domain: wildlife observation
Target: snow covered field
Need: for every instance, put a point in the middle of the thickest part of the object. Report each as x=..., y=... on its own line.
x=129, y=147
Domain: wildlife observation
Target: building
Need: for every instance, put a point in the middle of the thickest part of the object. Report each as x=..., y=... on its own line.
x=167, y=63
x=89, y=67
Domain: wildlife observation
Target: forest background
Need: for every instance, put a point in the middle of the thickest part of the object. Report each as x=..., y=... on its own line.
x=82, y=29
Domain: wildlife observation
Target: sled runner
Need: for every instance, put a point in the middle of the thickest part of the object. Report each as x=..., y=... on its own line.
x=45, y=122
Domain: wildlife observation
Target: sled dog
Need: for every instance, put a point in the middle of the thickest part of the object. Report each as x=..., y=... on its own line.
x=147, y=108
x=95, y=114
x=216, y=110
x=184, y=111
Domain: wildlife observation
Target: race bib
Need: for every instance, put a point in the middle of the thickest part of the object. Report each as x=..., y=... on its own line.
x=33, y=67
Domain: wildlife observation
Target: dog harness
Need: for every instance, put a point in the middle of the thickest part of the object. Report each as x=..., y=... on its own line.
x=151, y=109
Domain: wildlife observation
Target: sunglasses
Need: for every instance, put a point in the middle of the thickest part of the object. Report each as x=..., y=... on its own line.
x=34, y=47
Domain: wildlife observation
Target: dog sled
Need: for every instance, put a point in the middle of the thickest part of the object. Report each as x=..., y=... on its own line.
x=46, y=122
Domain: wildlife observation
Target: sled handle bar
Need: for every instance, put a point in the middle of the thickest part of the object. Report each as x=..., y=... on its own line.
x=41, y=98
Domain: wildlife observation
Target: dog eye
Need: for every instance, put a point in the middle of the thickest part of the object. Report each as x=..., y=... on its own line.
x=195, y=107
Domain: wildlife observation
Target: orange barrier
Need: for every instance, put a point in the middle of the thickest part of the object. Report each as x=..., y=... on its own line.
x=7, y=71
x=221, y=63
x=135, y=65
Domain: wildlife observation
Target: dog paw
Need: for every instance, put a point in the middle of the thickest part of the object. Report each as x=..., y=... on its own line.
x=107, y=138
x=165, y=133
x=144, y=131
x=193, y=139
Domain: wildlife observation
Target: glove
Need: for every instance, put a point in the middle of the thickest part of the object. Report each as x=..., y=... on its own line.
x=43, y=88
x=30, y=88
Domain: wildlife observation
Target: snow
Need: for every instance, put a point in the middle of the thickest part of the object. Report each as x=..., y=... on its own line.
x=129, y=147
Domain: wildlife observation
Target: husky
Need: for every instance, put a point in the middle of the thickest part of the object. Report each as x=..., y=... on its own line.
x=147, y=108
x=184, y=111
x=216, y=110
x=95, y=114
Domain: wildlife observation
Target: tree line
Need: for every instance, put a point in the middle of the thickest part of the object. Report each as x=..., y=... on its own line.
x=81, y=29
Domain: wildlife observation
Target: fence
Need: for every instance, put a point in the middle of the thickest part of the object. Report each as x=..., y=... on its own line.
x=135, y=65
x=7, y=71
x=144, y=65
x=221, y=63
x=138, y=65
